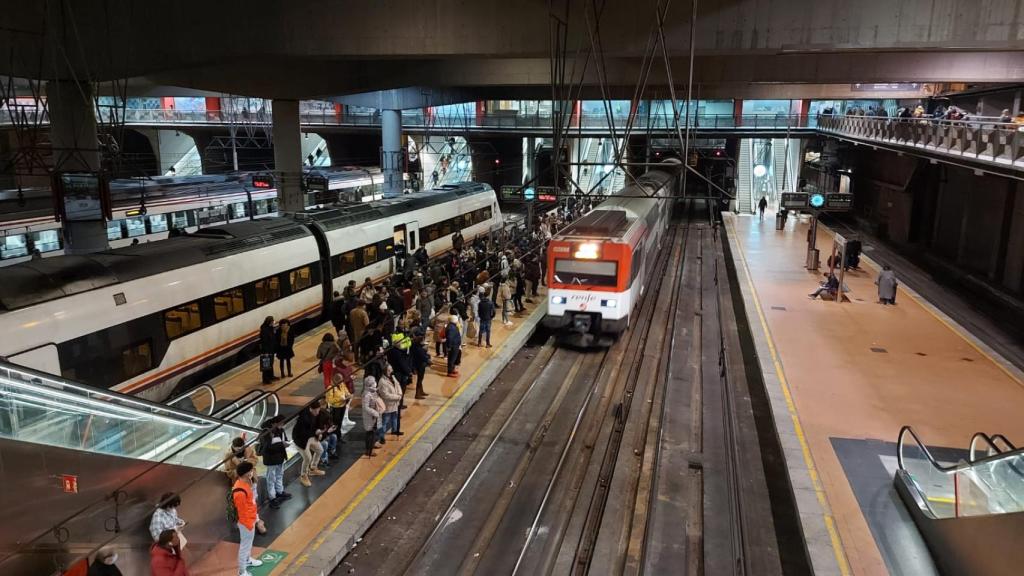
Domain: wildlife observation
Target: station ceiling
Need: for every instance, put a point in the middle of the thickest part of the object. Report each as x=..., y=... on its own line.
x=301, y=49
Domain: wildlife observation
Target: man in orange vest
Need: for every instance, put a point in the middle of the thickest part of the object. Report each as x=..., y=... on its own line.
x=243, y=493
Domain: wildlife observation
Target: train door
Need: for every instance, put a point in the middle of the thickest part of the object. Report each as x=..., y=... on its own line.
x=407, y=235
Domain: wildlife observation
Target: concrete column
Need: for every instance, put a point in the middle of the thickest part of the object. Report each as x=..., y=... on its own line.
x=391, y=151
x=76, y=149
x=288, y=155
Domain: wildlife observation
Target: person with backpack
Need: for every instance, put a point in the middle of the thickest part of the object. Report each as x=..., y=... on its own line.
x=273, y=447
x=243, y=496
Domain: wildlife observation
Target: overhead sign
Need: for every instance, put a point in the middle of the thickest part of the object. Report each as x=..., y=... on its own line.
x=262, y=181
x=512, y=193
x=839, y=202
x=795, y=200
x=887, y=87
x=316, y=183
x=547, y=194
x=529, y=193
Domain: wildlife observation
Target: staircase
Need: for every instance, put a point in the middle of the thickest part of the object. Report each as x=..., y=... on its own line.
x=744, y=203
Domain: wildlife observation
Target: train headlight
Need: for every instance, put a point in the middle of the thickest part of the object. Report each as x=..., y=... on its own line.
x=610, y=303
x=558, y=299
x=586, y=251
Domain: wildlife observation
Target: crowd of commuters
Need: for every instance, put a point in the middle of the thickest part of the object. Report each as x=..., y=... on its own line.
x=386, y=329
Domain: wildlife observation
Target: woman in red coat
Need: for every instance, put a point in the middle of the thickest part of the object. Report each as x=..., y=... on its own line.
x=165, y=556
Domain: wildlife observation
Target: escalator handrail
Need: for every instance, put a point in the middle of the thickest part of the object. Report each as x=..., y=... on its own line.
x=262, y=396
x=953, y=468
x=230, y=408
x=125, y=401
x=192, y=392
x=991, y=441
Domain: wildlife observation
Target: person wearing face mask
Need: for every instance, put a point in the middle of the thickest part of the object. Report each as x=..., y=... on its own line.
x=105, y=563
x=238, y=453
x=165, y=517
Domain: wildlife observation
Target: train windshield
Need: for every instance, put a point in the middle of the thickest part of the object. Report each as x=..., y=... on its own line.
x=587, y=272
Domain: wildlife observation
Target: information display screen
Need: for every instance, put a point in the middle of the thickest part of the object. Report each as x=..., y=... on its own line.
x=82, y=197
x=839, y=202
x=316, y=183
x=794, y=200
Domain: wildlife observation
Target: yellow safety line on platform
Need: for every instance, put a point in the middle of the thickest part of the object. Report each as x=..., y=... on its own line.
x=927, y=306
x=387, y=469
x=819, y=491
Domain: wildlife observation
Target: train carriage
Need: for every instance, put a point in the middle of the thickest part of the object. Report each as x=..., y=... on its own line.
x=598, y=267
x=149, y=319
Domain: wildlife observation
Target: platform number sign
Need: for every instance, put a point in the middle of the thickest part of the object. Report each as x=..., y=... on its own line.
x=69, y=483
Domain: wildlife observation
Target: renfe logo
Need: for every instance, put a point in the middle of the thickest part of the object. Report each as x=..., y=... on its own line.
x=560, y=249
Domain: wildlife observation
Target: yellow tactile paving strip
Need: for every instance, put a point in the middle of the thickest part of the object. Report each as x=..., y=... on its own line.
x=841, y=388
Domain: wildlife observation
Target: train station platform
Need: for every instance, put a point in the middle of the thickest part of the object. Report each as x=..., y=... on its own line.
x=310, y=533
x=842, y=378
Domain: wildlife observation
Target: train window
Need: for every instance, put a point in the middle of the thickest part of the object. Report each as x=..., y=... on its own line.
x=348, y=262
x=635, y=271
x=261, y=207
x=135, y=227
x=182, y=320
x=46, y=240
x=114, y=230
x=272, y=203
x=13, y=246
x=238, y=210
x=180, y=220
x=136, y=359
x=157, y=223
x=432, y=232
x=488, y=213
x=386, y=248
x=369, y=255
x=467, y=220
x=268, y=290
x=228, y=304
x=300, y=279
x=586, y=272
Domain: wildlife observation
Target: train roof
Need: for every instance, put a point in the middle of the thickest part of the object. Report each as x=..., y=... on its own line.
x=354, y=214
x=38, y=281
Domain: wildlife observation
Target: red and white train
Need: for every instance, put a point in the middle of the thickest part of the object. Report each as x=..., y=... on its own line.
x=598, y=267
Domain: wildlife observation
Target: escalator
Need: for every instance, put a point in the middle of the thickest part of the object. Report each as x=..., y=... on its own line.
x=45, y=409
x=969, y=511
x=81, y=463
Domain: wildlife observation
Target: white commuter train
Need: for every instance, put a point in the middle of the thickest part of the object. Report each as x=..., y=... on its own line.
x=147, y=319
x=599, y=266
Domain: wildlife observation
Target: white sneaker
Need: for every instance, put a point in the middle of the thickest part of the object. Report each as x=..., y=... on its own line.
x=254, y=562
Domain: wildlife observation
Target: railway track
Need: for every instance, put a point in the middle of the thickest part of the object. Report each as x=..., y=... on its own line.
x=639, y=459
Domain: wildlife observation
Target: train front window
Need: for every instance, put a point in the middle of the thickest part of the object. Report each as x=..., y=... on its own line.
x=586, y=272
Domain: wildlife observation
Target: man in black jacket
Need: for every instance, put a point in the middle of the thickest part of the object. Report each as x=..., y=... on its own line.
x=268, y=345
x=339, y=314
x=307, y=440
x=273, y=446
x=420, y=362
x=486, y=312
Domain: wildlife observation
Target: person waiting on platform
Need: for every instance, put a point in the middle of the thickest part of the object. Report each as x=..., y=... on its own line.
x=761, y=205
x=238, y=453
x=105, y=563
x=887, y=285
x=307, y=440
x=267, y=349
x=373, y=409
x=285, y=345
x=830, y=286
x=453, y=345
x=165, y=557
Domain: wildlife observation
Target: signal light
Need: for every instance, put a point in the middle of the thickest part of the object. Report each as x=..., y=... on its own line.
x=718, y=152
x=497, y=161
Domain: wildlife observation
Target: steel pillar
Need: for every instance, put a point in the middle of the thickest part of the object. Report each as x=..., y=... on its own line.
x=391, y=164
x=288, y=155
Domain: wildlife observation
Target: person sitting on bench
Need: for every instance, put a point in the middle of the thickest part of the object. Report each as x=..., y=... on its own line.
x=829, y=286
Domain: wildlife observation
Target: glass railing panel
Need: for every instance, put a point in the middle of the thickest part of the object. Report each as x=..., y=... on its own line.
x=201, y=400
x=993, y=486
x=935, y=485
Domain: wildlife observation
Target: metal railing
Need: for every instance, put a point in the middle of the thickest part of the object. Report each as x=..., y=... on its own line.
x=978, y=139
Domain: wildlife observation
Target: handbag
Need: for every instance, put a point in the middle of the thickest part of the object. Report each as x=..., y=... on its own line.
x=472, y=331
x=266, y=362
